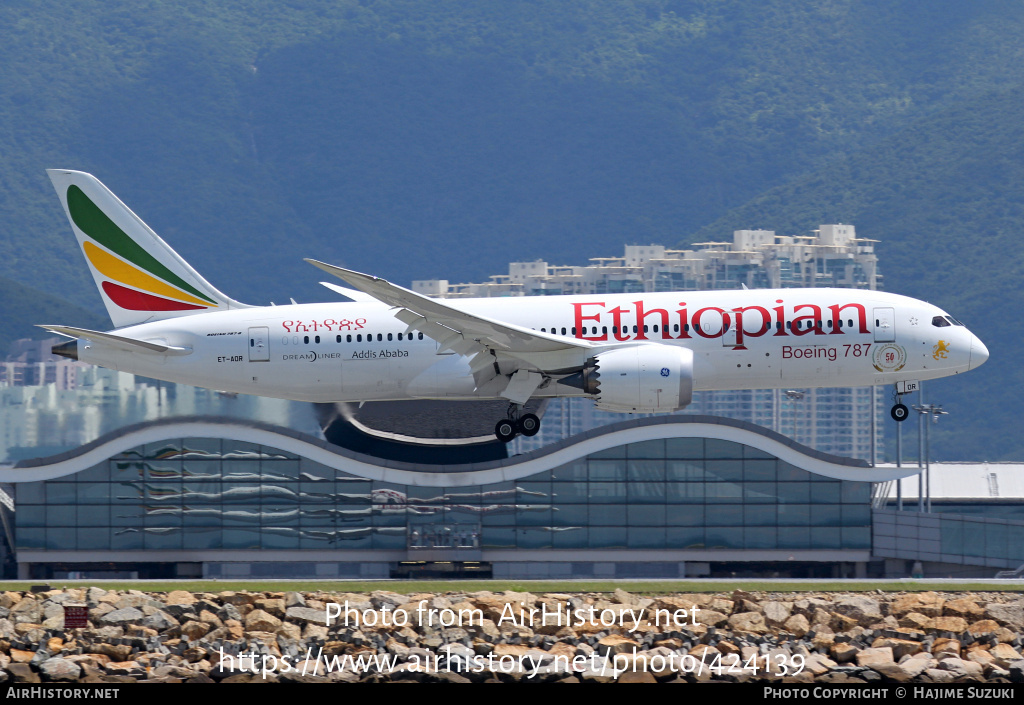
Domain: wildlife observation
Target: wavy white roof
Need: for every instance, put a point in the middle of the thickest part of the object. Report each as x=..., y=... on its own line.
x=515, y=468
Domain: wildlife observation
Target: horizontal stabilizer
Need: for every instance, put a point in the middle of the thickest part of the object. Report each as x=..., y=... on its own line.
x=119, y=342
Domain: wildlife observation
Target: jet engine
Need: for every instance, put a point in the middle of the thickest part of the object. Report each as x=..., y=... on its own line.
x=638, y=378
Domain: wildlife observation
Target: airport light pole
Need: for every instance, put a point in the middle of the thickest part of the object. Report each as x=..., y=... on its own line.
x=899, y=464
x=874, y=430
x=921, y=451
x=793, y=396
x=934, y=411
x=899, y=458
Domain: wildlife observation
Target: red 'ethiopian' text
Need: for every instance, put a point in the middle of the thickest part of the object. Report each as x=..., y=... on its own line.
x=637, y=322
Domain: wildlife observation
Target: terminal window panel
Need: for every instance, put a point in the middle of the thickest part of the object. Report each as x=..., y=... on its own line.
x=674, y=493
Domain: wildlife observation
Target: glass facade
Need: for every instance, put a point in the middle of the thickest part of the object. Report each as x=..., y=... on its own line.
x=1011, y=510
x=968, y=537
x=678, y=493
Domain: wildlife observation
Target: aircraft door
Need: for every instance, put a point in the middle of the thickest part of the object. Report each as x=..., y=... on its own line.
x=729, y=338
x=712, y=324
x=259, y=344
x=885, y=325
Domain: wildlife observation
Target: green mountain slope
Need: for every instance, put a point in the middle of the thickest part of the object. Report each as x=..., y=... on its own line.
x=458, y=136
x=25, y=307
x=946, y=199
x=419, y=139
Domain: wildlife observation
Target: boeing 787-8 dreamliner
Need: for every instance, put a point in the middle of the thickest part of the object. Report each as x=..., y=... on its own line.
x=628, y=352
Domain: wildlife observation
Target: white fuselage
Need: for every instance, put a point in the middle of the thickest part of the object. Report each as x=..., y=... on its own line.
x=744, y=339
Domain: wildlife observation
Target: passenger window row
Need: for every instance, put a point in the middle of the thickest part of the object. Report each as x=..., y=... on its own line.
x=686, y=327
x=358, y=338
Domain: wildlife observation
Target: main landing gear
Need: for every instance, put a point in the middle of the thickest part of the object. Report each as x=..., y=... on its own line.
x=899, y=411
x=516, y=423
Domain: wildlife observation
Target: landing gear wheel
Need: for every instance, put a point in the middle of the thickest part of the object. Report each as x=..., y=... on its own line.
x=505, y=430
x=528, y=424
x=899, y=412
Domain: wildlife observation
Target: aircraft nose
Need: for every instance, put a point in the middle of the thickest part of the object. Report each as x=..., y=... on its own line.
x=979, y=353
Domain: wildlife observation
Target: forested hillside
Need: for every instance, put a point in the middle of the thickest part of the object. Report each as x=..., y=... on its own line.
x=945, y=197
x=420, y=139
x=25, y=307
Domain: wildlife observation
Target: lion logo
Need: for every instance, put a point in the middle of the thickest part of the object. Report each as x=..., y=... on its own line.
x=940, y=350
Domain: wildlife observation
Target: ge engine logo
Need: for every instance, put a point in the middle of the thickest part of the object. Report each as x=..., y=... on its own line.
x=664, y=372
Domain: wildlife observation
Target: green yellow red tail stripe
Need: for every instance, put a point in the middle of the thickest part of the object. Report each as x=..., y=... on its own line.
x=162, y=289
x=139, y=301
x=124, y=273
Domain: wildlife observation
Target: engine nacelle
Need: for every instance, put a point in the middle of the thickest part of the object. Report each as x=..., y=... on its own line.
x=638, y=378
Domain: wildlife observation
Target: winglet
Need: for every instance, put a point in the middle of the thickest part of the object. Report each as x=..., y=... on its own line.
x=388, y=293
x=351, y=276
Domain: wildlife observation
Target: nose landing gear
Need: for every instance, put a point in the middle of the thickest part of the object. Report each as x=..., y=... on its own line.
x=899, y=411
x=516, y=423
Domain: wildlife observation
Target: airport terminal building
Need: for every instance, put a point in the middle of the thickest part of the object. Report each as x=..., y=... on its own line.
x=663, y=497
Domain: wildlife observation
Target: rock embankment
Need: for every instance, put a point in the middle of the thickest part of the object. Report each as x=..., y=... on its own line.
x=480, y=636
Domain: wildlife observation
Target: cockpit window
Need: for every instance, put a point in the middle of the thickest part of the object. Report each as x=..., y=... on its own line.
x=953, y=321
x=940, y=322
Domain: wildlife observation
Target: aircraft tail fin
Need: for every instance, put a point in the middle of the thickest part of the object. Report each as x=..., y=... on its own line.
x=139, y=276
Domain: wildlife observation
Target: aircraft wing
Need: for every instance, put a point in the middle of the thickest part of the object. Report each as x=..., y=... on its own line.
x=468, y=326
x=497, y=348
